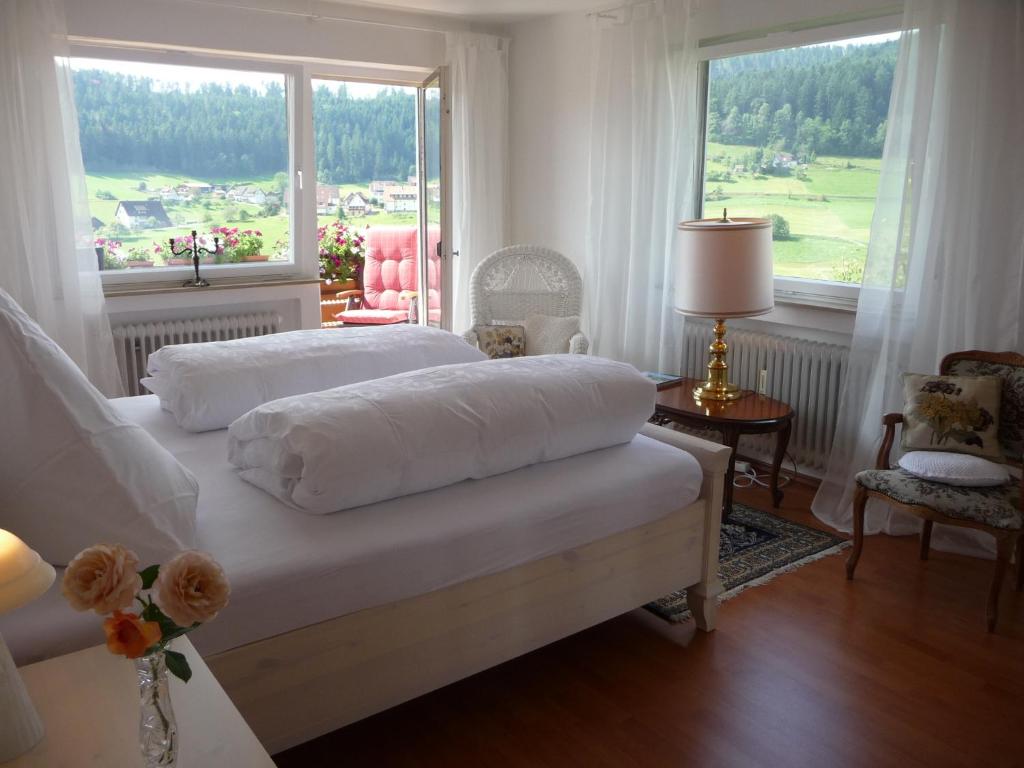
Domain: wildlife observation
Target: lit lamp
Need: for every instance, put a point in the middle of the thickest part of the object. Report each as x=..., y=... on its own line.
x=724, y=270
x=23, y=577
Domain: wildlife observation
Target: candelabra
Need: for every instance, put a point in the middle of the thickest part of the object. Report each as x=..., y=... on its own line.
x=195, y=249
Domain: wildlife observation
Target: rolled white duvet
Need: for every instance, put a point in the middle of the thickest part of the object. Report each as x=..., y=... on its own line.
x=426, y=429
x=207, y=386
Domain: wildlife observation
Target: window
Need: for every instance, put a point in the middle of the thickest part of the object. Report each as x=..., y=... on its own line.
x=796, y=135
x=169, y=149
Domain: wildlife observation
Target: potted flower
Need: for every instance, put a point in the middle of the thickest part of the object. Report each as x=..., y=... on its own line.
x=185, y=243
x=138, y=256
x=250, y=246
x=111, y=258
x=341, y=257
x=228, y=243
x=175, y=598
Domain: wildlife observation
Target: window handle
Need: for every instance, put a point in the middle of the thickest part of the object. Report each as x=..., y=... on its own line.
x=299, y=174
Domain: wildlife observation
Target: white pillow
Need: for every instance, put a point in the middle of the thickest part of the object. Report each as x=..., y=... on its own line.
x=954, y=468
x=72, y=472
x=427, y=429
x=547, y=335
x=207, y=386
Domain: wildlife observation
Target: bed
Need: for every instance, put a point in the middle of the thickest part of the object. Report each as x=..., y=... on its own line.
x=334, y=618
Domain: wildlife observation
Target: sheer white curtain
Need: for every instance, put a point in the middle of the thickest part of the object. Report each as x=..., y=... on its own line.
x=643, y=140
x=478, y=67
x=48, y=263
x=945, y=268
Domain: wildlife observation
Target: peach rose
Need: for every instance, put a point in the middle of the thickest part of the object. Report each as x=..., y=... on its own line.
x=191, y=588
x=102, y=578
x=130, y=636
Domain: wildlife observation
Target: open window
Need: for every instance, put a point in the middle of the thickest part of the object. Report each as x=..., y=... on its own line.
x=381, y=187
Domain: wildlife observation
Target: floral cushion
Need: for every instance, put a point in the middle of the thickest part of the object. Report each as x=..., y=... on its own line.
x=1011, y=416
x=952, y=413
x=996, y=506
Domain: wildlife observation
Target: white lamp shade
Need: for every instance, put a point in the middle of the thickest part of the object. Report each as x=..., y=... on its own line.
x=24, y=575
x=724, y=268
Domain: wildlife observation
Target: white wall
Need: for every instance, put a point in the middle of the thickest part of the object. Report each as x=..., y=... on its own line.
x=549, y=98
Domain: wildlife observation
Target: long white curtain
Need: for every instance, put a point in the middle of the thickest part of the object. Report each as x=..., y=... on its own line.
x=478, y=67
x=945, y=266
x=48, y=263
x=644, y=134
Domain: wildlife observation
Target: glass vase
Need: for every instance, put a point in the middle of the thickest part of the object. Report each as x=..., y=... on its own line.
x=158, y=731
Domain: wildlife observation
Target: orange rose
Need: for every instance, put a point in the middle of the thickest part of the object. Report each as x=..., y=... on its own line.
x=130, y=636
x=191, y=588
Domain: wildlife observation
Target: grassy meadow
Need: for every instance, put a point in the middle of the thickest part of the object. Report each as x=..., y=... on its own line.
x=828, y=209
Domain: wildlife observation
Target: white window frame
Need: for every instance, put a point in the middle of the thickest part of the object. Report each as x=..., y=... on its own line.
x=298, y=102
x=792, y=290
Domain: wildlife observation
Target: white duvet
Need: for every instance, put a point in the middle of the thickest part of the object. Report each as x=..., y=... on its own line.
x=430, y=428
x=207, y=386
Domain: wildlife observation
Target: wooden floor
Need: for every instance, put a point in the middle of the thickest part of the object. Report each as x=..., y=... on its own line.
x=894, y=668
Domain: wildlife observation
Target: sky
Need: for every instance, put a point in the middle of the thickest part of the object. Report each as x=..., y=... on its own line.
x=174, y=76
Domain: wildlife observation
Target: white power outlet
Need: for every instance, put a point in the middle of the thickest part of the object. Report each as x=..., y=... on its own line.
x=742, y=467
x=762, y=382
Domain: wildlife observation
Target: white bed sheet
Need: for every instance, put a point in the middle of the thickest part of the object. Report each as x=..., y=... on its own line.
x=289, y=569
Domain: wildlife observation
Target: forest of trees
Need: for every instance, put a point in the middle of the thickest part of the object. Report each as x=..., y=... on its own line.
x=810, y=101
x=127, y=124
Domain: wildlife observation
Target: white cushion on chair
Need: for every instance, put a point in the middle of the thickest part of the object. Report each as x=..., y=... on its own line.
x=954, y=468
x=547, y=335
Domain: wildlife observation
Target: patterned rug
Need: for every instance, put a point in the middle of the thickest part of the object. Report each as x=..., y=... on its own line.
x=756, y=547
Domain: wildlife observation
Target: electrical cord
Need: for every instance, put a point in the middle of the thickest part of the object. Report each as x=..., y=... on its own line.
x=752, y=477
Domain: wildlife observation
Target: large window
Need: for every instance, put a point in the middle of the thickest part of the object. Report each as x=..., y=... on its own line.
x=796, y=135
x=169, y=149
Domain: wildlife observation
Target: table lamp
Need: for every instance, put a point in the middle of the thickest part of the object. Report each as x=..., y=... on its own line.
x=23, y=577
x=724, y=269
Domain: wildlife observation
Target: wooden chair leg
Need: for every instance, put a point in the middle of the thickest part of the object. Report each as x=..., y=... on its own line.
x=860, y=502
x=926, y=538
x=1004, y=547
x=1019, y=583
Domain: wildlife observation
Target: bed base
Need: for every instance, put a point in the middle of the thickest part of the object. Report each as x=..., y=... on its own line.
x=302, y=684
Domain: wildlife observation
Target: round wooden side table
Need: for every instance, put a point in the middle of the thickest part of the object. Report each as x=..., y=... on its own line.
x=752, y=414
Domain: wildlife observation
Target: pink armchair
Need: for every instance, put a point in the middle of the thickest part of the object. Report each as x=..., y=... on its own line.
x=389, y=279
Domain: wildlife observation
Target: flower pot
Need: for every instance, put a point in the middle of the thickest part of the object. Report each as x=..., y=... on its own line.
x=177, y=262
x=256, y=257
x=138, y=264
x=333, y=287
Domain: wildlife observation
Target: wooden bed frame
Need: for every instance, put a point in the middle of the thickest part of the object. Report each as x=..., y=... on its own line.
x=302, y=684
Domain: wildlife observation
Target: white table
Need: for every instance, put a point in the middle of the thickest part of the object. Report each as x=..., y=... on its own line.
x=89, y=704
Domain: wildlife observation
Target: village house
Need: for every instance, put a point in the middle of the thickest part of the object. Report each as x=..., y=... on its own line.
x=401, y=198
x=247, y=193
x=356, y=204
x=136, y=214
x=327, y=199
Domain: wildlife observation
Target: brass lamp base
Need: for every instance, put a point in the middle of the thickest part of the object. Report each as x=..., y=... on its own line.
x=717, y=386
x=708, y=391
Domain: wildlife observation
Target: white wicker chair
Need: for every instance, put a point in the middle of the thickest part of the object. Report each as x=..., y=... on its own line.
x=524, y=280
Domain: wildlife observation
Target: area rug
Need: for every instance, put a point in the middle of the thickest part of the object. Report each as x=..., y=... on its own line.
x=756, y=547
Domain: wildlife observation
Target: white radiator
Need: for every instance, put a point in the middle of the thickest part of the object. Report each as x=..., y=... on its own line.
x=135, y=342
x=805, y=374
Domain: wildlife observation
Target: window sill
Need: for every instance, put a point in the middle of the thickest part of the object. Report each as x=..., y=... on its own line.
x=218, y=284
x=819, y=300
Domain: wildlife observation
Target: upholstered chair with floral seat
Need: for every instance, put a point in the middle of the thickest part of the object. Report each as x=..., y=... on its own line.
x=997, y=510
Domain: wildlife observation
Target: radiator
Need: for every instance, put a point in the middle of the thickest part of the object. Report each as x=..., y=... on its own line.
x=805, y=374
x=135, y=342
